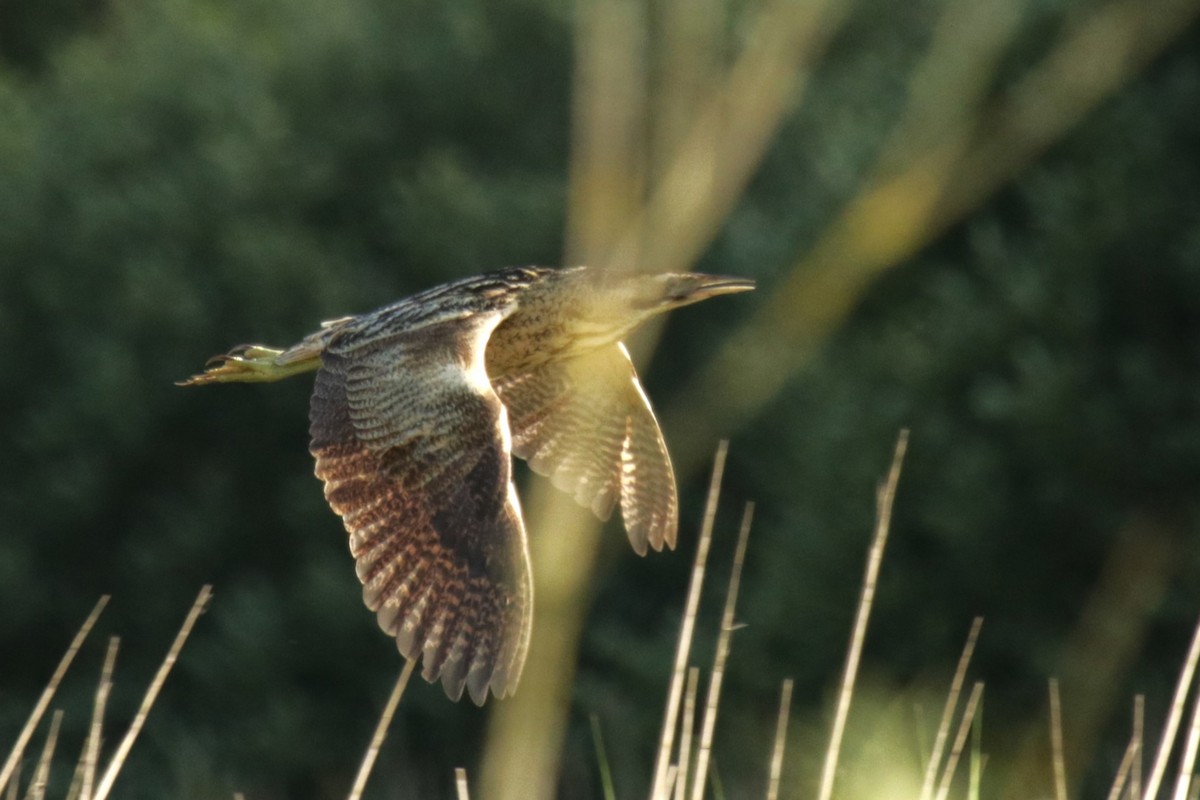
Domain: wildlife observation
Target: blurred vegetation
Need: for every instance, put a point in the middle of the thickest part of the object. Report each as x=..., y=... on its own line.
x=180, y=176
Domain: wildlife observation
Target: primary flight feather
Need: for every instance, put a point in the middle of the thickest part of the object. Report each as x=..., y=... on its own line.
x=416, y=412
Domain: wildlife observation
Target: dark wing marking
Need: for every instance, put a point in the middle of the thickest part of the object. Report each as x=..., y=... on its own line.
x=586, y=424
x=413, y=447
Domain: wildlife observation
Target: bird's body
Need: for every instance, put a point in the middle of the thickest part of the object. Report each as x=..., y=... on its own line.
x=416, y=411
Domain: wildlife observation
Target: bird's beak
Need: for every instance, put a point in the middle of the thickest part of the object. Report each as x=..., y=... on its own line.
x=713, y=285
x=699, y=286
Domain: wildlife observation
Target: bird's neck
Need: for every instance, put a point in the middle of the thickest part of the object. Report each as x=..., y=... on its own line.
x=525, y=341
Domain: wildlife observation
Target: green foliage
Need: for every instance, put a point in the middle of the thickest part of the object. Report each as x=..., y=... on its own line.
x=198, y=172
x=185, y=175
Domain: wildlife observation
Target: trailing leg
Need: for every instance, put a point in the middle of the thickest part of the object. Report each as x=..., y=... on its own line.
x=253, y=363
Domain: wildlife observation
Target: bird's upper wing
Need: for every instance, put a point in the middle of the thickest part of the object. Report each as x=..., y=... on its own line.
x=413, y=446
x=586, y=423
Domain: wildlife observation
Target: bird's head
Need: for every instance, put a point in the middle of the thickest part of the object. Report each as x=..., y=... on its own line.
x=653, y=294
x=603, y=307
x=610, y=306
x=564, y=313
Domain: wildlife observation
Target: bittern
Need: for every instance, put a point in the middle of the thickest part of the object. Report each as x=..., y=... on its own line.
x=416, y=411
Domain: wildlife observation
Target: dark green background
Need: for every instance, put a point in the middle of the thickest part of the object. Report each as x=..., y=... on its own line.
x=180, y=176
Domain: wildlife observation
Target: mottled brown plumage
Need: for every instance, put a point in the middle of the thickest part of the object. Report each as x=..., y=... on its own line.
x=416, y=410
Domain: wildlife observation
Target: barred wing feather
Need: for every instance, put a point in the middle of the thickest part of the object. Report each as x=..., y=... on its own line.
x=413, y=446
x=585, y=423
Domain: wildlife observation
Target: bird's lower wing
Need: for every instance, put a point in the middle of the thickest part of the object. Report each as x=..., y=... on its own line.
x=586, y=423
x=413, y=447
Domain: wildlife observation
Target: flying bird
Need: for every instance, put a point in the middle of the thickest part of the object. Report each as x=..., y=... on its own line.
x=416, y=412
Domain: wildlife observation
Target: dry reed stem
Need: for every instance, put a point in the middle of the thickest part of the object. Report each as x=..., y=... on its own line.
x=885, y=497
x=687, y=629
x=90, y=758
x=43, y=702
x=781, y=722
x=76, y=782
x=672, y=776
x=722, y=655
x=41, y=773
x=139, y=719
x=1056, y=742
x=1139, y=735
x=1124, y=769
x=978, y=759
x=960, y=739
x=385, y=719
x=1187, y=761
x=687, y=730
x=943, y=731
x=1171, y=726
x=460, y=782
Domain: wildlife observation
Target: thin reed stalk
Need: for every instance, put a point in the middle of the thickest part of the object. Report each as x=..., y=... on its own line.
x=781, y=722
x=1187, y=762
x=683, y=647
x=960, y=740
x=91, y=746
x=885, y=497
x=1171, y=726
x=1056, y=742
x=1139, y=735
x=41, y=773
x=687, y=729
x=39, y=709
x=1124, y=769
x=139, y=719
x=943, y=731
x=385, y=719
x=978, y=758
x=723, y=640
